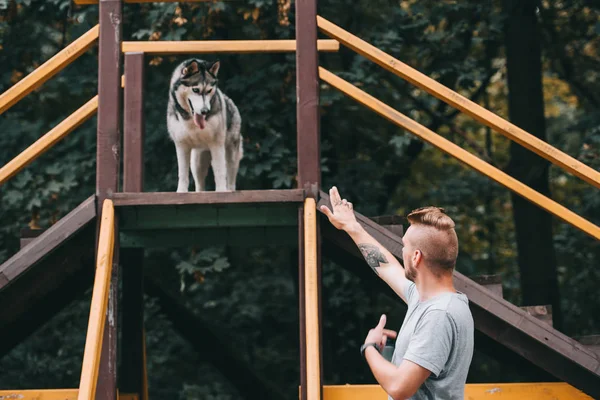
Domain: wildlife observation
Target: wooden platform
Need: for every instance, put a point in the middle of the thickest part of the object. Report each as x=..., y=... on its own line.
x=243, y=218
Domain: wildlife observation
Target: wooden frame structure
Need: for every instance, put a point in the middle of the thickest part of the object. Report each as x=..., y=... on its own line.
x=124, y=232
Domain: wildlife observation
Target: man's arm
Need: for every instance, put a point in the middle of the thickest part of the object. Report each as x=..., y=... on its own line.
x=400, y=382
x=383, y=263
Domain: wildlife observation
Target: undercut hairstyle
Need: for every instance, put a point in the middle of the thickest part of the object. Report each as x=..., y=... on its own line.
x=436, y=237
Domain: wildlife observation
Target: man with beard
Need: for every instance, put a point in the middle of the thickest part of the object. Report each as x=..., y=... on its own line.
x=434, y=346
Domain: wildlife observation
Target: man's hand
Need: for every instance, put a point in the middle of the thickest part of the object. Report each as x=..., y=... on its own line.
x=379, y=334
x=342, y=216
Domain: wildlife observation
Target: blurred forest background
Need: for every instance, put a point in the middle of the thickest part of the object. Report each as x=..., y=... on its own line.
x=535, y=63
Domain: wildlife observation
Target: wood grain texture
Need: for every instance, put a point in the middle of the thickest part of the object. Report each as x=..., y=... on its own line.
x=223, y=46
x=242, y=196
x=311, y=290
x=98, y=308
x=307, y=93
x=133, y=124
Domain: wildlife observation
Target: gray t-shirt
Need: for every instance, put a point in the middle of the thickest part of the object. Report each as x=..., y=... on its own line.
x=437, y=334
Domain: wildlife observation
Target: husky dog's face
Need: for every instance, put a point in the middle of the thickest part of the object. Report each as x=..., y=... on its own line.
x=198, y=86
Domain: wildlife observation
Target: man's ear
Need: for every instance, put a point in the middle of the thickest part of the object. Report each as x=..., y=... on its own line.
x=417, y=257
x=214, y=69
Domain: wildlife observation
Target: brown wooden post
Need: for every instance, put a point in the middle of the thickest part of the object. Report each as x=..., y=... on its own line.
x=308, y=151
x=107, y=170
x=131, y=378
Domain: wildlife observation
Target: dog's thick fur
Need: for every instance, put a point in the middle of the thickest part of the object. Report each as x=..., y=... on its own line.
x=205, y=126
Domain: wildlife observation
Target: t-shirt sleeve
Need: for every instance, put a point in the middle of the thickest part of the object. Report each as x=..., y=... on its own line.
x=431, y=342
x=410, y=292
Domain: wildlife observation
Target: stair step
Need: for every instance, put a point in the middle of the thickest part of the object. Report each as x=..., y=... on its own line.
x=490, y=282
x=543, y=313
x=28, y=235
x=592, y=342
x=392, y=223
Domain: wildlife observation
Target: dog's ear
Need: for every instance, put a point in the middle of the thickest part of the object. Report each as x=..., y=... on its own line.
x=214, y=69
x=190, y=69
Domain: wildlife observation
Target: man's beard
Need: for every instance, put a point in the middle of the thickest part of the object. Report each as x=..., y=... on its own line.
x=409, y=271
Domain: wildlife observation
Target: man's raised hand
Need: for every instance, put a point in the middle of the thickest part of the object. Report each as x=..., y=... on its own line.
x=342, y=214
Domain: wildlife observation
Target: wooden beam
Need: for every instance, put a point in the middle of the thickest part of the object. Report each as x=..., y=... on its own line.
x=45, y=287
x=132, y=359
x=543, y=313
x=462, y=155
x=473, y=391
x=47, y=242
x=47, y=141
x=108, y=149
x=132, y=378
x=592, y=342
x=98, y=308
x=311, y=288
x=133, y=124
x=465, y=105
x=307, y=93
x=238, y=197
x=163, y=47
x=302, y=302
x=48, y=69
x=492, y=283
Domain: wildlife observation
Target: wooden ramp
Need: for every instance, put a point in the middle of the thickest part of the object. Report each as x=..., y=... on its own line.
x=47, y=274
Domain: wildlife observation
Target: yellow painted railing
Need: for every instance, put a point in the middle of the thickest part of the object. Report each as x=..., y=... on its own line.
x=463, y=104
x=459, y=153
x=48, y=69
x=311, y=301
x=473, y=391
x=48, y=140
x=95, y=332
x=222, y=46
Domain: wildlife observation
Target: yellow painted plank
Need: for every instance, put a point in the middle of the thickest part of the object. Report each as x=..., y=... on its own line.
x=222, y=46
x=95, y=332
x=500, y=391
x=459, y=153
x=48, y=140
x=50, y=394
x=48, y=69
x=517, y=391
x=311, y=301
x=465, y=105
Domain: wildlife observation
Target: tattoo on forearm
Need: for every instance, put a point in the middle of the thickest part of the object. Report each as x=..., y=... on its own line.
x=372, y=255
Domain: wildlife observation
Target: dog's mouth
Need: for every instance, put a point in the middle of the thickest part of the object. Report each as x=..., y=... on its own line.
x=200, y=120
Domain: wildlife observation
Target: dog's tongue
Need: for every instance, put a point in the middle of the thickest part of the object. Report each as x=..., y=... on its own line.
x=200, y=121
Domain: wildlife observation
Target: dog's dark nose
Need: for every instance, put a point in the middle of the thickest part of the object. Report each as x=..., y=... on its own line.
x=204, y=111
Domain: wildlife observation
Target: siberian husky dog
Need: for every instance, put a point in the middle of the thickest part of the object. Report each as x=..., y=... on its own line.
x=205, y=126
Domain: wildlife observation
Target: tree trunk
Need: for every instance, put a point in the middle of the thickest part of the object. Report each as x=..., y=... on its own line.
x=536, y=256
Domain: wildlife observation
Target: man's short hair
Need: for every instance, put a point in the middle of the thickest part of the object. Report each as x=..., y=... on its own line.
x=438, y=241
